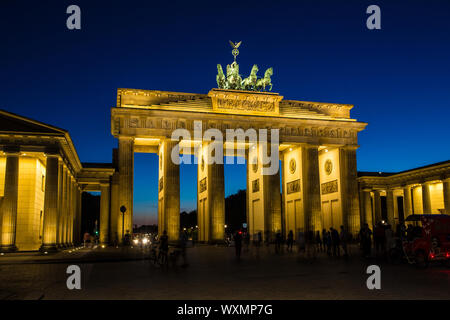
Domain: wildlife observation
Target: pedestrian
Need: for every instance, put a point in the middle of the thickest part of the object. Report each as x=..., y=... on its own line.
x=290, y=240
x=343, y=237
x=183, y=245
x=86, y=238
x=389, y=236
x=301, y=241
x=379, y=239
x=163, y=248
x=238, y=243
x=319, y=241
x=278, y=241
x=310, y=245
x=328, y=241
x=335, y=242
x=366, y=241
x=247, y=240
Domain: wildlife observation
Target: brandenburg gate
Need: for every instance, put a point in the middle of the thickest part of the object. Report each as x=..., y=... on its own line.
x=317, y=151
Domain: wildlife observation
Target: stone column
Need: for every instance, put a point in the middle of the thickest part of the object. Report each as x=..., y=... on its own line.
x=377, y=206
x=64, y=208
x=263, y=193
x=116, y=215
x=126, y=168
x=284, y=232
x=349, y=192
x=77, y=229
x=9, y=206
x=104, y=213
x=211, y=189
x=169, y=191
x=71, y=210
x=59, y=230
x=426, y=198
x=51, y=204
x=367, y=207
x=407, y=203
x=446, y=190
x=311, y=188
x=390, y=207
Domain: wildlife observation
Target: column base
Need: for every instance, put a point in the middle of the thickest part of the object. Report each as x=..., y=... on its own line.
x=49, y=248
x=8, y=248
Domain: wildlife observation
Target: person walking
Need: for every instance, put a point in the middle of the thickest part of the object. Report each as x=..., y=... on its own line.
x=343, y=237
x=379, y=239
x=319, y=242
x=366, y=241
x=163, y=248
x=183, y=245
x=278, y=242
x=290, y=240
x=335, y=242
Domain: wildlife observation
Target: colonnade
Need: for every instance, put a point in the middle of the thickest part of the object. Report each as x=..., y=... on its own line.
x=428, y=197
x=61, y=214
x=265, y=211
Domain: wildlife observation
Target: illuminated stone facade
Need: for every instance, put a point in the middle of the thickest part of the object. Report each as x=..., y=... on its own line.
x=42, y=178
x=41, y=181
x=318, y=143
x=392, y=197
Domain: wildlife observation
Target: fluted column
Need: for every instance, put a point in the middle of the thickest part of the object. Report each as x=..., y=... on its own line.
x=446, y=190
x=426, y=198
x=9, y=206
x=311, y=188
x=126, y=168
x=116, y=215
x=211, y=189
x=51, y=204
x=407, y=203
x=104, y=213
x=367, y=207
x=390, y=207
x=59, y=229
x=349, y=193
x=77, y=229
x=169, y=192
x=377, y=206
x=263, y=194
x=63, y=212
x=71, y=211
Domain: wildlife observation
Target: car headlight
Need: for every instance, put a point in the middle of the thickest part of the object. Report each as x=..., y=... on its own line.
x=144, y=241
x=136, y=241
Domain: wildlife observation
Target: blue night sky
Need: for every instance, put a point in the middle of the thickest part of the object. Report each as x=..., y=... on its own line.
x=397, y=77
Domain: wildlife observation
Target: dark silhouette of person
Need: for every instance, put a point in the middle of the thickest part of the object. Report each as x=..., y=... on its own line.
x=290, y=240
x=238, y=243
x=335, y=242
x=343, y=237
x=278, y=242
x=183, y=244
x=366, y=241
x=319, y=241
x=164, y=244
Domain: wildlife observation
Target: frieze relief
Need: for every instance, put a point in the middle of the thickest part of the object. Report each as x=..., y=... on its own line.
x=246, y=105
x=293, y=186
x=285, y=131
x=203, y=185
x=329, y=187
x=255, y=185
